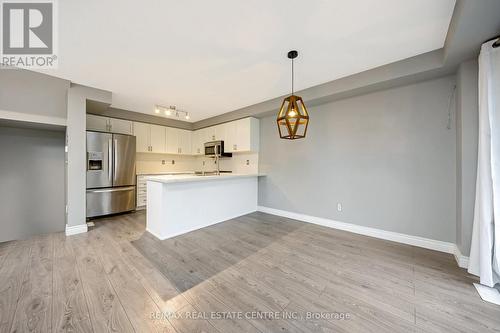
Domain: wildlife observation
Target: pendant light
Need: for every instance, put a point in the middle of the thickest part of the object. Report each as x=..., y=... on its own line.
x=293, y=117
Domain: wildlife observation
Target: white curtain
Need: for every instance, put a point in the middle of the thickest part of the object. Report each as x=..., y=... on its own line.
x=484, y=258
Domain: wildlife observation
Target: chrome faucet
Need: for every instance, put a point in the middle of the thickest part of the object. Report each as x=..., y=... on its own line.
x=217, y=159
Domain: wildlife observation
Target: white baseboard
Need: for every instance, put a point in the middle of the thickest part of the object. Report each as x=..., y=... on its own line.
x=76, y=229
x=426, y=243
x=462, y=261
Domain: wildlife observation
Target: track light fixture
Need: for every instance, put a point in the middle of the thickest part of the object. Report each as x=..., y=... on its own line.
x=172, y=111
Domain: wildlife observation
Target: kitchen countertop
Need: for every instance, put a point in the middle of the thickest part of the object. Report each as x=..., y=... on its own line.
x=193, y=178
x=164, y=173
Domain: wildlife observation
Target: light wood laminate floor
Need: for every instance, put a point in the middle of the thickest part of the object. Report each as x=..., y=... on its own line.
x=243, y=275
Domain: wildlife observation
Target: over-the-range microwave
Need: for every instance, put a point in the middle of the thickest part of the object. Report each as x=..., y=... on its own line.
x=214, y=148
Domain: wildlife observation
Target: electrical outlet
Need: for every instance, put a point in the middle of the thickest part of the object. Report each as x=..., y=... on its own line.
x=339, y=207
x=203, y=163
x=248, y=162
x=173, y=162
x=163, y=162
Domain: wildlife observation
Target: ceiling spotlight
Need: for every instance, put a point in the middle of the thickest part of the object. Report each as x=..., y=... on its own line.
x=157, y=110
x=187, y=116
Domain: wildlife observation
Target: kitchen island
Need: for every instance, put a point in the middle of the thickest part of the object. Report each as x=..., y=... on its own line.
x=178, y=204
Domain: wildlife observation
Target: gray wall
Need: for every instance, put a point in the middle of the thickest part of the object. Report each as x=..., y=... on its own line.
x=33, y=93
x=387, y=156
x=467, y=139
x=31, y=182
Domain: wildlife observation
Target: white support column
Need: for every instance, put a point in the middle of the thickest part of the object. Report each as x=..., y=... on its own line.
x=76, y=151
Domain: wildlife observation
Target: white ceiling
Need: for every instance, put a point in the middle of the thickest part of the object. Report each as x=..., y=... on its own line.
x=211, y=57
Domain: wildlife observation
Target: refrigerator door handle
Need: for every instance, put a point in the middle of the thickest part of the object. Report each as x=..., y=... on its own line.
x=115, y=162
x=114, y=189
x=110, y=159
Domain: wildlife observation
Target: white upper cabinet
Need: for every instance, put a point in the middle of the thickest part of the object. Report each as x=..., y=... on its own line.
x=215, y=133
x=149, y=138
x=185, y=142
x=172, y=140
x=242, y=135
x=120, y=126
x=210, y=134
x=238, y=136
x=142, y=137
x=197, y=146
x=220, y=132
x=158, y=136
x=247, y=131
x=97, y=123
x=231, y=137
x=178, y=141
x=111, y=125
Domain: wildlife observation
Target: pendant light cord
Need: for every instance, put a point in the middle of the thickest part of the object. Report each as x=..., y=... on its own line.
x=292, y=76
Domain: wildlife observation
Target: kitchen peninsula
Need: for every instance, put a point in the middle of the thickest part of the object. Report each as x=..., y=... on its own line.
x=178, y=204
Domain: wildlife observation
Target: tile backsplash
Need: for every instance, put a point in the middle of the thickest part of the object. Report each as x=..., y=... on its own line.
x=156, y=163
x=239, y=163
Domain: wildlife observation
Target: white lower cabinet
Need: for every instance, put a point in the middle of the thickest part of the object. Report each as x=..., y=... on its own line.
x=141, y=192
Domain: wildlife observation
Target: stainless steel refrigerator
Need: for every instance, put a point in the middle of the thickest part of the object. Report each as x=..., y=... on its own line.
x=110, y=173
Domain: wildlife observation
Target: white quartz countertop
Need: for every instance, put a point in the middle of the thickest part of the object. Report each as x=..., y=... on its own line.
x=194, y=178
x=159, y=173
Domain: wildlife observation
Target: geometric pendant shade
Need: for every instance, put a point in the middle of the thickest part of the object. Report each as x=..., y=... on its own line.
x=293, y=118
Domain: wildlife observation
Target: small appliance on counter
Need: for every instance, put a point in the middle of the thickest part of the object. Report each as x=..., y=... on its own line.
x=110, y=173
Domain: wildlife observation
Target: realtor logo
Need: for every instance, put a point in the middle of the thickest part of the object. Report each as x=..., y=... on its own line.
x=28, y=34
